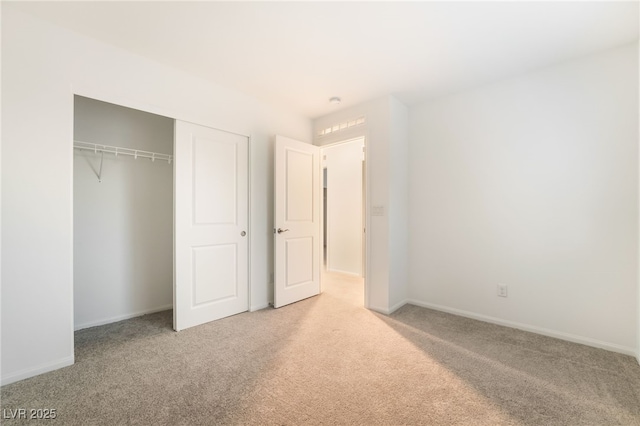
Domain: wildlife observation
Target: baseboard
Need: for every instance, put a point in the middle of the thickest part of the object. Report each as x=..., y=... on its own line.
x=123, y=317
x=389, y=311
x=338, y=271
x=378, y=309
x=398, y=306
x=259, y=307
x=533, y=329
x=35, y=371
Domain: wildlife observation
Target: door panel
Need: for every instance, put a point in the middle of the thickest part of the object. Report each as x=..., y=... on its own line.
x=299, y=184
x=215, y=194
x=211, y=214
x=299, y=259
x=214, y=261
x=297, y=221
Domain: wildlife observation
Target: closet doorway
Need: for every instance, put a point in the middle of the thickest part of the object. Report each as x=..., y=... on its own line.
x=122, y=214
x=152, y=231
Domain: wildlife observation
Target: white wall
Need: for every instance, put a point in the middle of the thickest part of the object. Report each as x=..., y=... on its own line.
x=532, y=183
x=123, y=226
x=42, y=67
x=382, y=132
x=344, y=206
x=399, y=205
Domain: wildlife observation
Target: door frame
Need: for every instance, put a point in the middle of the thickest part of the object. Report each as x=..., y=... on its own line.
x=122, y=100
x=365, y=210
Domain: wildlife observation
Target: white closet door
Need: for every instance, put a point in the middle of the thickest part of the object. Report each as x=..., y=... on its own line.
x=211, y=225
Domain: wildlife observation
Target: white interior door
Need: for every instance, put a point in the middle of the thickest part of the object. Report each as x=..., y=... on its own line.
x=211, y=219
x=297, y=221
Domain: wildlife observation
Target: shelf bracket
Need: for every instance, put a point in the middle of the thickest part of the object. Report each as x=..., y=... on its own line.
x=100, y=172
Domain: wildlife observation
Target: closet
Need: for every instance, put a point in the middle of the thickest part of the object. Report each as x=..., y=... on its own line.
x=123, y=212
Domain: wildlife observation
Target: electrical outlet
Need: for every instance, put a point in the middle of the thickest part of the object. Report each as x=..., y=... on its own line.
x=502, y=290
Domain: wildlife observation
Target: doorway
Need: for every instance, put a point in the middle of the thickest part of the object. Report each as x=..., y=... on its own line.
x=123, y=213
x=344, y=233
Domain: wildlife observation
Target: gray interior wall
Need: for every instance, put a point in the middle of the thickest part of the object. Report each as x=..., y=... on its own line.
x=532, y=183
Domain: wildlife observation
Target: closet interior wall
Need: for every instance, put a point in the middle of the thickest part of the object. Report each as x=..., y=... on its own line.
x=123, y=226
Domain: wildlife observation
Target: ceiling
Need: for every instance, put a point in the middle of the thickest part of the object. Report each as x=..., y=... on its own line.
x=298, y=55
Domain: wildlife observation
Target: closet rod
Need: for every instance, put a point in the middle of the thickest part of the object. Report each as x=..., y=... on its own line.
x=116, y=150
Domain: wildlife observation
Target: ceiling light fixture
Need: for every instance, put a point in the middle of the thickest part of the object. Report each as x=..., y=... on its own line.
x=335, y=100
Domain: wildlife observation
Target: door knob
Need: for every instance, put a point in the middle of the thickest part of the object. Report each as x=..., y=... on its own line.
x=243, y=233
x=280, y=230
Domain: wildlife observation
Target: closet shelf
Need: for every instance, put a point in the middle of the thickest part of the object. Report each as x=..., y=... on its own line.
x=116, y=150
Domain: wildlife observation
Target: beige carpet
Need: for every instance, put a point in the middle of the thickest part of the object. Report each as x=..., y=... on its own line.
x=327, y=360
